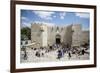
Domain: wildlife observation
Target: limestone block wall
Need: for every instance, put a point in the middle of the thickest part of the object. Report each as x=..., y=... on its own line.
x=44, y=35
x=67, y=38
x=53, y=31
x=77, y=34
x=36, y=34
x=71, y=35
x=85, y=37
x=51, y=35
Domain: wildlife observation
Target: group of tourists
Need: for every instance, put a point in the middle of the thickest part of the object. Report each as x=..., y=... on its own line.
x=60, y=50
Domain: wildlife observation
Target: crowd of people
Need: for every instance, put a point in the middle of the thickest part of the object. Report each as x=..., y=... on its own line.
x=60, y=49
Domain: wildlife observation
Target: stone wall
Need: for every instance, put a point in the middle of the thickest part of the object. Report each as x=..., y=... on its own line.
x=71, y=35
x=85, y=37
x=36, y=34
x=76, y=36
x=67, y=38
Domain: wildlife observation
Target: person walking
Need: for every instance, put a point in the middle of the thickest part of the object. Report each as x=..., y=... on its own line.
x=59, y=54
x=69, y=54
x=25, y=55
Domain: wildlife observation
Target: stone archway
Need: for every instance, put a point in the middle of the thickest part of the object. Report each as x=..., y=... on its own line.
x=58, y=39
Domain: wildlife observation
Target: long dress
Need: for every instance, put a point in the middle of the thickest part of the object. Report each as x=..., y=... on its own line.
x=59, y=54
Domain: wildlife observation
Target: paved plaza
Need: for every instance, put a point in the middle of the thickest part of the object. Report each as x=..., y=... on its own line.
x=50, y=56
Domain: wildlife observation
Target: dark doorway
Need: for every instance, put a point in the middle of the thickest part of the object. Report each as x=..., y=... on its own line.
x=58, y=41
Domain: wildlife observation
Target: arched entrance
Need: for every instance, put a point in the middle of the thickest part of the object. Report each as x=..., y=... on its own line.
x=58, y=39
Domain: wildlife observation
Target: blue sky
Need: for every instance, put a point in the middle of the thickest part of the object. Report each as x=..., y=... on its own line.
x=55, y=18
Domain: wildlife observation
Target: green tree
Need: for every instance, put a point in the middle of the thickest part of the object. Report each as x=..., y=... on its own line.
x=25, y=33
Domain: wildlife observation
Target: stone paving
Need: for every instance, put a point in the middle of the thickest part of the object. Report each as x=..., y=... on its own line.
x=50, y=56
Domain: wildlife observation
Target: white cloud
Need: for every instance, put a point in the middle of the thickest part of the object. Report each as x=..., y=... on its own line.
x=62, y=15
x=25, y=24
x=85, y=29
x=54, y=16
x=44, y=23
x=44, y=14
x=50, y=24
x=24, y=18
x=83, y=15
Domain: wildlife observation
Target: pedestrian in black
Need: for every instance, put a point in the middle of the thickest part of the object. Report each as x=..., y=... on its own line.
x=59, y=54
x=69, y=55
x=25, y=55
